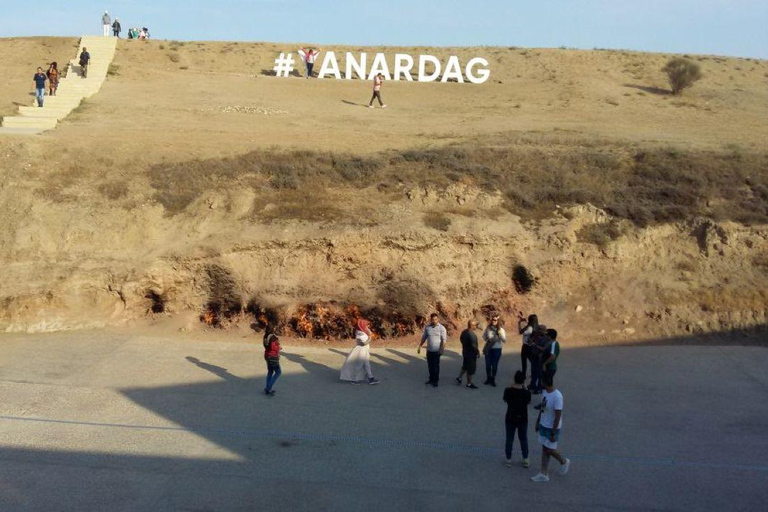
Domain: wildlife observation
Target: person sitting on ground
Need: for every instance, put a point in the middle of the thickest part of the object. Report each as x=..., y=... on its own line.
x=377, y=81
x=309, y=55
x=526, y=330
x=85, y=59
x=39, y=80
x=272, y=357
x=549, y=365
x=470, y=353
x=516, y=420
x=53, y=78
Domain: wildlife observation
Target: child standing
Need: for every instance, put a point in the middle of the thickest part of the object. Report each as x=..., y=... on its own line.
x=272, y=357
x=516, y=420
x=377, y=81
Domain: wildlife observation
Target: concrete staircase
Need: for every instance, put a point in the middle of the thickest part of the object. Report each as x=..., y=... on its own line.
x=72, y=90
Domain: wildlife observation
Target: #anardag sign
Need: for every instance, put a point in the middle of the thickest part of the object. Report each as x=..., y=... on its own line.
x=405, y=67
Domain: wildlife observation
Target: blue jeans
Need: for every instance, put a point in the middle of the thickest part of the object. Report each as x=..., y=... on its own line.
x=40, y=94
x=492, y=359
x=522, y=435
x=273, y=373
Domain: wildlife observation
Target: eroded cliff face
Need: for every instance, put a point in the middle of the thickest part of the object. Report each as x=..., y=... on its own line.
x=69, y=267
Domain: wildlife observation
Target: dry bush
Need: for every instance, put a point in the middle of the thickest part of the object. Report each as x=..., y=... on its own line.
x=682, y=74
x=114, y=190
x=599, y=234
x=437, y=220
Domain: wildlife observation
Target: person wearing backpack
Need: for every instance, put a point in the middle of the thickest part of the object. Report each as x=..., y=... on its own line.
x=516, y=420
x=272, y=357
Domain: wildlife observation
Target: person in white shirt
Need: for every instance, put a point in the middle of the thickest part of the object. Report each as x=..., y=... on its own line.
x=309, y=55
x=106, y=23
x=526, y=329
x=548, y=426
x=357, y=366
x=435, y=335
x=494, y=337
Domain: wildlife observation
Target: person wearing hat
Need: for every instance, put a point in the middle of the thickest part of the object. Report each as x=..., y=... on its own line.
x=105, y=23
x=357, y=366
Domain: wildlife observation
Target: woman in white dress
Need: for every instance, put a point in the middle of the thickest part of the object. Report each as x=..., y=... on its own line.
x=357, y=366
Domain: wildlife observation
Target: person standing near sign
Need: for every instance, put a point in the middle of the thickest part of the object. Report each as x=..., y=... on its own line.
x=377, y=81
x=309, y=55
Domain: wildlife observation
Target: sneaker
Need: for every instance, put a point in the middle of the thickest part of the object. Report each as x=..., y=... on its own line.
x=266, y=391
x=565, y=467
x=487, y=382
x=428, y=383
x=541, y=477
x=508, y=463
x=383, y=106
x=373, y=381
x=458, y=381
x=371, y=106
x=434, y=384
x=471, y=386
x=272, y=393
x=526, y=463
x=354, y=383
x=493, y=382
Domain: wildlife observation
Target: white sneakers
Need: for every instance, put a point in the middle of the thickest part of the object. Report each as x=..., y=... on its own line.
x=541, y=477
x=508, y=463
x=565, y=467
x=526, y=463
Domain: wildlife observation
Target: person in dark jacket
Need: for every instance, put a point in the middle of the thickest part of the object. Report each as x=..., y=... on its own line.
x=516, y=420
x=39, y=80
x=116, y=28
x=470, y=352
x=272, y=357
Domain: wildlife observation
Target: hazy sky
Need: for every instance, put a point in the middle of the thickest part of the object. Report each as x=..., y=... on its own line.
x=728, y=27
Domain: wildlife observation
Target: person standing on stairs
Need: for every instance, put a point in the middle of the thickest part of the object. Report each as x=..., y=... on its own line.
x=53, y=78
x=40, y=79
x=106, y=23
x=116, y=28
x=85, y=59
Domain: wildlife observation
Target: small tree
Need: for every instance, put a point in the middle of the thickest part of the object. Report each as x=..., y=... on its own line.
x=682, y=74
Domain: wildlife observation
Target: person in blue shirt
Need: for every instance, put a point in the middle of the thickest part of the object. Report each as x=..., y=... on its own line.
x=40, y=79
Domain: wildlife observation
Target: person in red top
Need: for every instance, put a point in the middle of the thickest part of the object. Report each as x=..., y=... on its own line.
x=272, y=357
x=377, y=81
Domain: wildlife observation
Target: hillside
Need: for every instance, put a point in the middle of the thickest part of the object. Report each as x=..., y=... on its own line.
x=194, y=184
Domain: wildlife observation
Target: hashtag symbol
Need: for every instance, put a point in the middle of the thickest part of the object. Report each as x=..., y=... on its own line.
x=284, y=65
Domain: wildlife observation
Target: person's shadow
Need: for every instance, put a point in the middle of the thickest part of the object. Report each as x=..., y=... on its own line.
x=352, y=103
x=312, y=367
x=216, y=370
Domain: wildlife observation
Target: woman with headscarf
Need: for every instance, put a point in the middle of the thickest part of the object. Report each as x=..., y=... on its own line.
x=357, y=366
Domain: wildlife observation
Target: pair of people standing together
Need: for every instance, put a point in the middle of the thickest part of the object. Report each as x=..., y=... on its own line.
x=494, y=338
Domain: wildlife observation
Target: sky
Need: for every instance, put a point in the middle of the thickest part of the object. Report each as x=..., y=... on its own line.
x=723, y=27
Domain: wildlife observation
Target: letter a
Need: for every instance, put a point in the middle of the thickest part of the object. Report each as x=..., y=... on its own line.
x=453, y=70
x=330, y=65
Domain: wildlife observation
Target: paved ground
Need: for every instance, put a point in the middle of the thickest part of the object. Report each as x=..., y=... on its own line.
x=103, y=421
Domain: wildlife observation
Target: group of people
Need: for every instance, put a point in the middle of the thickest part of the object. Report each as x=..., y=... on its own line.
x=51, y=77
x=108, y=25
x=540, y=348
x=309, y=56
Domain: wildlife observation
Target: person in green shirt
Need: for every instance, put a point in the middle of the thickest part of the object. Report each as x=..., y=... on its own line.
x=550, y=357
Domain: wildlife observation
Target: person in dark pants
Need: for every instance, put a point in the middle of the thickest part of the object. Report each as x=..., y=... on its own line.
x=470, y=353
x=516, y=420
x=272, y=357
x=539, y=346
x=39, y=79
x=526, y=330
x=494, y=337
x=310, y=56
x=116, y=28
x=549, y=365
x=435, y=336
x=377, y=81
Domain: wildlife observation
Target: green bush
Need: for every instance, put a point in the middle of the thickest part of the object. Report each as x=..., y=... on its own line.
x=682, y=74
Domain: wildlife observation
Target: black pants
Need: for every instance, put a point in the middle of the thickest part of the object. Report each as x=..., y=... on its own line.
x=524, y=355
x=376, y=96
x=433, y=365
x=549, y=373
x=310, y=65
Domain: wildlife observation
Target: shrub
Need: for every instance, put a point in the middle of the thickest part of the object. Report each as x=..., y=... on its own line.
x=682, y=74
x=437, y=220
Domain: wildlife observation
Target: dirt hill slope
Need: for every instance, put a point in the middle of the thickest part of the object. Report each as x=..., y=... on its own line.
x=193, y=184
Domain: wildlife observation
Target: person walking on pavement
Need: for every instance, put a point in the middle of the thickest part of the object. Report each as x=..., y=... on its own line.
x=549, y=365
x=53, y=78
x=357, y=366
x=494, y=337
x=435, y=336
x=272, y=357
x=516, y=420
x=548, y=426
x=310, y=56
x=39, y=80
x=470, y=353
x=105, y=23
x=526, y=330
x=377, y=81
x=116, y=28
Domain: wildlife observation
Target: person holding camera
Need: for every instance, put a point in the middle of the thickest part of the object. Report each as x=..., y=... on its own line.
x=548, y=425
x=494, y=337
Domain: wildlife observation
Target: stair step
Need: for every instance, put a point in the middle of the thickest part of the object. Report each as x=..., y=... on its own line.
x=29, y=122
x=46, y=112
x=19, y=131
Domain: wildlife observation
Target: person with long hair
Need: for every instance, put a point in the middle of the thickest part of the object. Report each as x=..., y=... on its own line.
x=494, y=337
x=53, y=78
x=357, y=365
x=309, y=55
